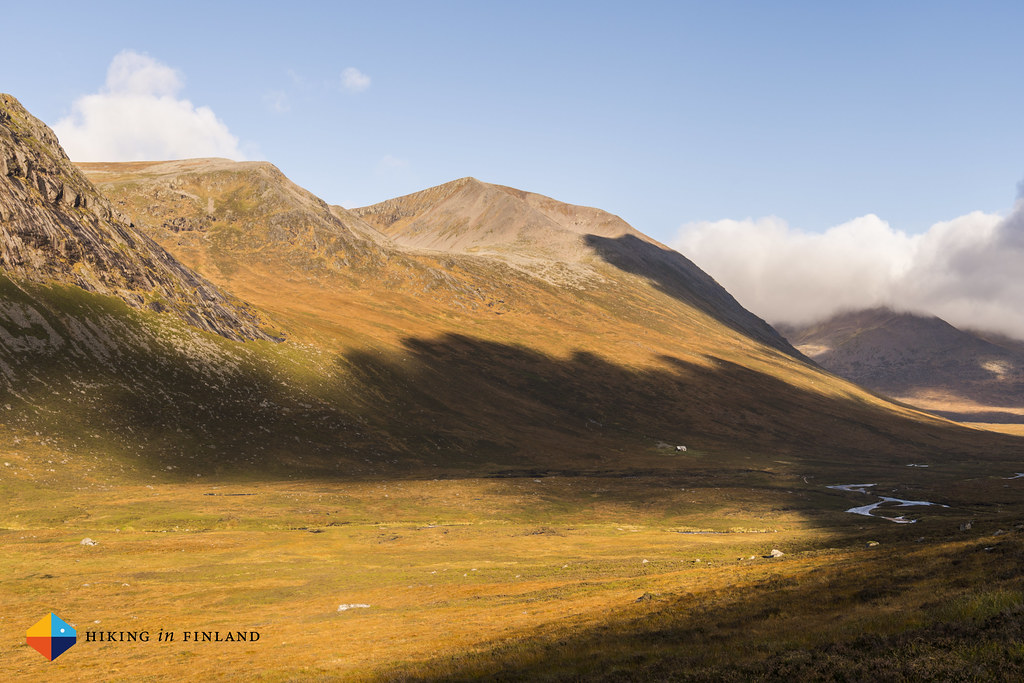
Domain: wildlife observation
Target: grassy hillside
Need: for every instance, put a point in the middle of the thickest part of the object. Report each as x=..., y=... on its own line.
x=469, y=360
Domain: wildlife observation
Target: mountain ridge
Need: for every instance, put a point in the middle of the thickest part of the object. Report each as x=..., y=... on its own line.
x=480, y=246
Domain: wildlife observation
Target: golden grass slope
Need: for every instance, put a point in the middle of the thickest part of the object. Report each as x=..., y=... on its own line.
x=217, y=217
x=564, y=243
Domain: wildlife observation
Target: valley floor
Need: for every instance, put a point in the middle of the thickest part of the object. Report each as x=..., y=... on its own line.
x=535, y=576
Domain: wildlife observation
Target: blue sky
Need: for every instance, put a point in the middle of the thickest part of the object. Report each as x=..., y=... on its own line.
x=662, y=112
x=668, y=114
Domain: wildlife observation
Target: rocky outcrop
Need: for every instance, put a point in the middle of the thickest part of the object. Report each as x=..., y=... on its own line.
x=56, y=227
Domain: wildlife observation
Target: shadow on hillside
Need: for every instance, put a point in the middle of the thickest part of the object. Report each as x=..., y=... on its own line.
x=459, y=405
x=508, y=402
x=456, y=406
x=677, y=276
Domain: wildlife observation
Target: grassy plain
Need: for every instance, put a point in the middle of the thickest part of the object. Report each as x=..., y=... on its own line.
x=646, y=575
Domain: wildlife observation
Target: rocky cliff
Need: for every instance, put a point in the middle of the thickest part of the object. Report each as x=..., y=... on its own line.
x=55, y=227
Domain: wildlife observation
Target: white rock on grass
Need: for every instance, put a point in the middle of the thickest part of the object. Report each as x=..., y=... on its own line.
x=776, y=553
x=342, y=608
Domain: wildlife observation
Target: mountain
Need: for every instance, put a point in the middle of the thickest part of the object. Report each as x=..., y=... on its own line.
x=56, y=228
x=457, y=248
x=476, y=446
x=563, y=242
x=920, y=359
x=478, y=326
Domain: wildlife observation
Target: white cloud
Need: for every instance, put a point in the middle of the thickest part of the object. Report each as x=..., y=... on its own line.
x=969, y=271
x=354, y=80
x=137, y=115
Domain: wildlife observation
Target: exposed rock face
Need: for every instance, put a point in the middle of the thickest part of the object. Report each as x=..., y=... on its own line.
x=56, y=227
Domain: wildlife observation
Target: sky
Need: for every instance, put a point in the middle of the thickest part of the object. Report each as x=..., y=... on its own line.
x=808, y=155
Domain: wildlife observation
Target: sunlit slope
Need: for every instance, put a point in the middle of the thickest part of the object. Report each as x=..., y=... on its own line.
x=564, y=243
x=480, y=360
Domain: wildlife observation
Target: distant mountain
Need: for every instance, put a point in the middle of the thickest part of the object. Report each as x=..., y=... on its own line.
x=55, y=227
x=921, y=359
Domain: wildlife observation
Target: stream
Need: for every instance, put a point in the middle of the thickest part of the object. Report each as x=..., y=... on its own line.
x=866, y=510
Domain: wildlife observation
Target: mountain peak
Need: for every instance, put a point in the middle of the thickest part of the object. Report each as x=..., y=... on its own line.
x=565, y=242
x=844, y=327
x=471, y=216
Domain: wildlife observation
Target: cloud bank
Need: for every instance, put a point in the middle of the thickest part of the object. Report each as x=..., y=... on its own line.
x=138, y=116
x=968, y=271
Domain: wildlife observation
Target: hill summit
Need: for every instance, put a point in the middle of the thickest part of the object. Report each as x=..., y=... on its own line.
x=554, y=239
